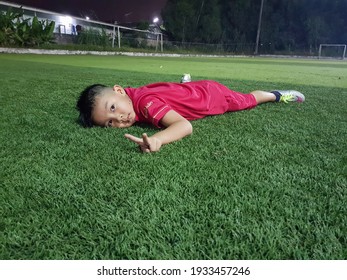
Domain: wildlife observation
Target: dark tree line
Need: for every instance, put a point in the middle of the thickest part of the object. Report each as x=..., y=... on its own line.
x=286, y=24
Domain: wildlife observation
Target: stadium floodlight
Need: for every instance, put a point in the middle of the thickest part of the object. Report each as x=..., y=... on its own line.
x=332, y=51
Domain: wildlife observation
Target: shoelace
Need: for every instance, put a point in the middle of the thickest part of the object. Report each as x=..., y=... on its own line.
x=287, y=98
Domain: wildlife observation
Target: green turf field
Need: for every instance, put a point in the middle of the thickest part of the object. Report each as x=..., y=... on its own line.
x=269, y=183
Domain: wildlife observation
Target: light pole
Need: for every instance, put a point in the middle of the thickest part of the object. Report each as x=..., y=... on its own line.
x=259, y=27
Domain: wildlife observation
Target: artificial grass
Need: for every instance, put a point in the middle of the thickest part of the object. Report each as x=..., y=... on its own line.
x=269, y=183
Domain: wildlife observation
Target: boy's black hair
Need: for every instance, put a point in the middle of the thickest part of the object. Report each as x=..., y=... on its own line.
x=85, y=103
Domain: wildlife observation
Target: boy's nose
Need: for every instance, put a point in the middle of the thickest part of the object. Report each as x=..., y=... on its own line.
x=120, y=117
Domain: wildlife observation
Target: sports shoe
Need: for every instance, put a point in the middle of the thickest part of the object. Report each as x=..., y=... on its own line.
x=289, y=96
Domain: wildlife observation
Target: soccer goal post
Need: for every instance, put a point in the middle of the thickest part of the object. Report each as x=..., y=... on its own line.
x=332, y=51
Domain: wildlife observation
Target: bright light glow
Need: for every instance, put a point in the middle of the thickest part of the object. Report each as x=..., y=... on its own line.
x=155, y=20
x=87, y=18
x=66, y=20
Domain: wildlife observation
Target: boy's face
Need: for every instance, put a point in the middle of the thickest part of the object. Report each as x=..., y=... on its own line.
x=113, y=108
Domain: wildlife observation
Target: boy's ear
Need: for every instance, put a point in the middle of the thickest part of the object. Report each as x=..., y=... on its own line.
x=118, y=89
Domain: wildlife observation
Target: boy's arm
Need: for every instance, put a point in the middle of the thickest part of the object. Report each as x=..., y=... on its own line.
x=177, y=127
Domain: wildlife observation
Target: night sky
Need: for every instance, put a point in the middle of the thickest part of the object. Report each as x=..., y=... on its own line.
x=121, y=11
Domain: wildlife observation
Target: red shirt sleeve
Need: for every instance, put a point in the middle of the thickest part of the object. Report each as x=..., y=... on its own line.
x=153, y=109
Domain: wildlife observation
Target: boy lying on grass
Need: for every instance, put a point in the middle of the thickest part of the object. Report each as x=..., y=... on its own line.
x=167, y=105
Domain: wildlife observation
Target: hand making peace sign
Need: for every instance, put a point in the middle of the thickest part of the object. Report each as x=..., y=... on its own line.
x=146, y=144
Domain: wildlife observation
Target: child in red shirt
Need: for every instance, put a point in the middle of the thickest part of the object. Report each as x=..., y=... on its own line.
x=168, y=105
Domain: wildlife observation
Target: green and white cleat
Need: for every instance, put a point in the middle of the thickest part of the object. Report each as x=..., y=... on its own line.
x=288, y=96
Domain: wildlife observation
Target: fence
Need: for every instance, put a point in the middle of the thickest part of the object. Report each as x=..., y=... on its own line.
x=69, y=29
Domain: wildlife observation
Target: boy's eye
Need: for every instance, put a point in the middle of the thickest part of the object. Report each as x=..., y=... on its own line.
x=113, y=108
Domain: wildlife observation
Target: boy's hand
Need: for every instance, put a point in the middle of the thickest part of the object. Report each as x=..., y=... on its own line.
x=176, y=127
x=146, y=144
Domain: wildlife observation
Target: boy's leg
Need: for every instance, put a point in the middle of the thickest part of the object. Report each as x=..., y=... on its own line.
x=263, y=96
x=240, y=101
x=278, y=96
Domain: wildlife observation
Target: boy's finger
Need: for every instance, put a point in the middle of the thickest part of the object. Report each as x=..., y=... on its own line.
x=145, y=139
x=133, y=138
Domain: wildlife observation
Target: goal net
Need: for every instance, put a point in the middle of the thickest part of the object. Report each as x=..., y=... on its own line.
x=337, y=51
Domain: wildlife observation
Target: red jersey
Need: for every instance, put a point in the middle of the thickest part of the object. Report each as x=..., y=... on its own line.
x=193, y=100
